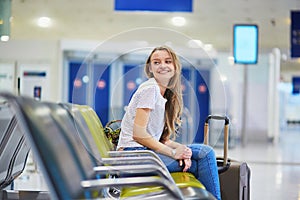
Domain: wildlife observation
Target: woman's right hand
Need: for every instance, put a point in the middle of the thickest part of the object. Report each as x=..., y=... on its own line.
x=187, y=164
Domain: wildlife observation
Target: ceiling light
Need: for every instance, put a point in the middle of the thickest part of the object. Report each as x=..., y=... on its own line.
x=178, y=21
x=5, y=14
x=195, y=44
x=44, y=22
x=208, y=47
x=4, y=38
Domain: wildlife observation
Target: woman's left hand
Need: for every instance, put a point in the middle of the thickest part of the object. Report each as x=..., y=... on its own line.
x=187, y=153
x=187, y=164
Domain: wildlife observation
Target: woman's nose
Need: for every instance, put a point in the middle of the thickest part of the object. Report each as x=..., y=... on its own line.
x=163, y=65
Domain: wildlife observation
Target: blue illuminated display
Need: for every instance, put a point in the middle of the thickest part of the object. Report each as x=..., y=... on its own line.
x=154, y=5
x=245, y=44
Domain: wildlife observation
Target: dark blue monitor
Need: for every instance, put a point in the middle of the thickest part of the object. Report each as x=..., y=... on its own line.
x=245, y=43
x=296, y=84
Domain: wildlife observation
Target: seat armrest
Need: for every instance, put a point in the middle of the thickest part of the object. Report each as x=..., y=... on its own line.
x=134, y=170
x=134, y=181
x=134, y=153
x=132, y=160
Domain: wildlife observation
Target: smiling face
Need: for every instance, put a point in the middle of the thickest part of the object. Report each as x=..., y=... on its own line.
x=162, y=66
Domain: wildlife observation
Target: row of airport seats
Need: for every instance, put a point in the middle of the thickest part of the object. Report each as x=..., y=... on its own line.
x=79, y=162
x=13, y=148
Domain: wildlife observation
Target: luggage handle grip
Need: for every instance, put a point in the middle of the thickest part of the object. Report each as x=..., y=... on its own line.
x=217, y=117
x=226, y=130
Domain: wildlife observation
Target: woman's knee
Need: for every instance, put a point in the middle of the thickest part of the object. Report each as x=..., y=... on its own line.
x=202, y=151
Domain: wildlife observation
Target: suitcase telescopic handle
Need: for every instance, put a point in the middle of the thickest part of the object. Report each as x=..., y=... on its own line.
x=226, y=130
x=217, y=117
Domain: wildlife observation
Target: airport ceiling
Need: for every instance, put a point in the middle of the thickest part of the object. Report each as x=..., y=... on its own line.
x=211, y=20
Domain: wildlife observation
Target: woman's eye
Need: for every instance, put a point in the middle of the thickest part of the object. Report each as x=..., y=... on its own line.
x=156, y=63
x=169, y=61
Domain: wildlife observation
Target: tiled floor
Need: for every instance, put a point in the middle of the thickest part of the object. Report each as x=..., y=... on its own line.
x=275, y=169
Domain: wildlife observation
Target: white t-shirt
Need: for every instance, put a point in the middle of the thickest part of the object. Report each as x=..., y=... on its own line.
x=147, y=96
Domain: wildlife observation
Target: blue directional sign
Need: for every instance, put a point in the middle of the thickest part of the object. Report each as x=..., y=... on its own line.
x=295, y=34
x=154, y=5
x=296, y=84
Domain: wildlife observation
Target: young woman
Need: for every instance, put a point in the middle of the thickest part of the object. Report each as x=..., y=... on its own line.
x=152, y=116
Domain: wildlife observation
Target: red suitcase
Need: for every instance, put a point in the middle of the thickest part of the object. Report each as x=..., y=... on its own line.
x=234, y=175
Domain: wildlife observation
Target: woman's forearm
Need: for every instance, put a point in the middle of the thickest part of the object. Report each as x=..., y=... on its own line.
x=141, y=136
x=172, y=144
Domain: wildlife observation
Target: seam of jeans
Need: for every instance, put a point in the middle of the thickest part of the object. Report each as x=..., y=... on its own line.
x=218, y=193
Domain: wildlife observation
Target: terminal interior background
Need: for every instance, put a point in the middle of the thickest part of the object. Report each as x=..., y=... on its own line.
x=91, y=54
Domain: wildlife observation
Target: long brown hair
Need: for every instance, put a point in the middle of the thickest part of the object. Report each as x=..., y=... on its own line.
x=173, y=94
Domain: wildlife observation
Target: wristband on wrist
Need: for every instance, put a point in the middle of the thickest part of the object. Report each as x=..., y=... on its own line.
x=173, y=152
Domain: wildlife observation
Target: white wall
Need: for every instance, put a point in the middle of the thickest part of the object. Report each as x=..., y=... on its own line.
x=257, y=93
x=35, y=53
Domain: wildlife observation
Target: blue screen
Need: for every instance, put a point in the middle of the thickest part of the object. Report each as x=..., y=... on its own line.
x=154, y=5
x=296, y=85
x=245, y=44
x=295, y=34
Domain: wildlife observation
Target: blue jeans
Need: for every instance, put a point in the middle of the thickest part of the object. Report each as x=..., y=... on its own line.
x=204, y=166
